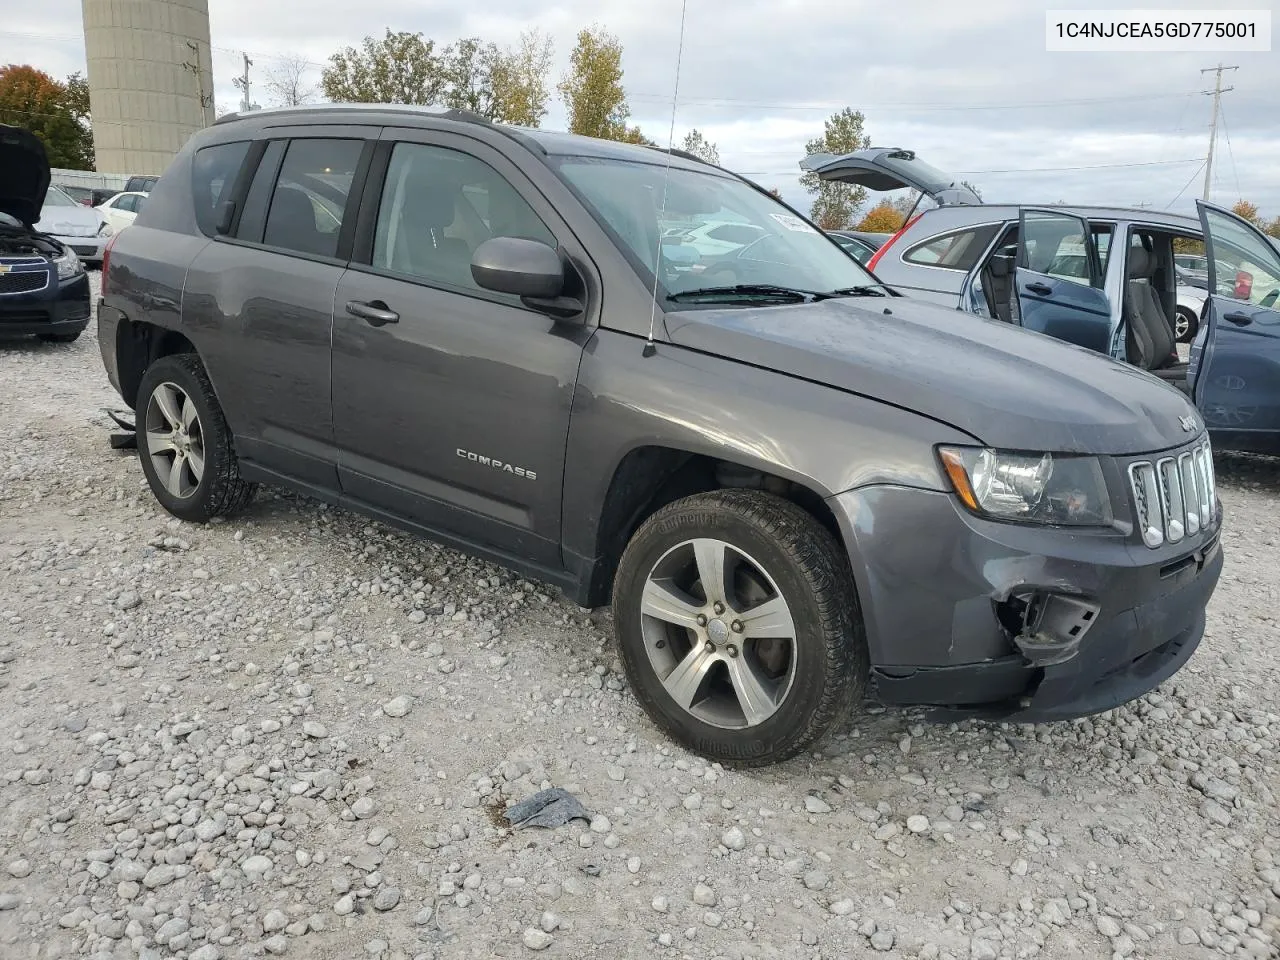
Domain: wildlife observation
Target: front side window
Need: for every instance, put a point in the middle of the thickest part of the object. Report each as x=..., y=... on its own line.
x=1246, y=268
x=438, y=205
x=213, y=176
x=627, y=198
x=310, y=196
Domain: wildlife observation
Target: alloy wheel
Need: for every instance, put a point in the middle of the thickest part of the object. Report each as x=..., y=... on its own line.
x=175, y=440
x=719, y=633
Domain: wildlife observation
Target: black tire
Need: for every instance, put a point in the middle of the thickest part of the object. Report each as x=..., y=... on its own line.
x=1192, y=322
x=61, y=337
x=220, y=490
x=829, y=650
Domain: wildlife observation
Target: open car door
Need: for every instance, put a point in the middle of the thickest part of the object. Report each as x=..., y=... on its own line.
x=890, y=168
x=1057, y=286
x=1235, y=369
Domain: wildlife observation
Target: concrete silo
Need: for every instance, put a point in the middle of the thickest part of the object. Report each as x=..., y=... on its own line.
x=150, y=80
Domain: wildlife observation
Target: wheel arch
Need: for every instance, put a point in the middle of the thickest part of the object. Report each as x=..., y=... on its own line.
x=138, y=345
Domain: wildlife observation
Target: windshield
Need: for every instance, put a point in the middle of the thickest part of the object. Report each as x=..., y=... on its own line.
x=56, y=198
x=717, y=231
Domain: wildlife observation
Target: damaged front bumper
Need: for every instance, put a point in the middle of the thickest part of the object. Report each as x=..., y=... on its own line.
x=1016, y=621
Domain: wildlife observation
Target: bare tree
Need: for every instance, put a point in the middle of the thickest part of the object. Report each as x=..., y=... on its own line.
x=288, y=84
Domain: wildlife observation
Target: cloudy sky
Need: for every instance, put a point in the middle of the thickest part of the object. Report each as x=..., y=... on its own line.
x=973, y=92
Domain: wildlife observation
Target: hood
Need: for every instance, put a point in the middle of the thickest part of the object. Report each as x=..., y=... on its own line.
x=1005, y=386
x=75, y=220
x=24, y=174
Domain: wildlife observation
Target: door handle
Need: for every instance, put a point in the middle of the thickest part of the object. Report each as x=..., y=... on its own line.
x=1043, y=289
x=1238, y=318
x=375, y=312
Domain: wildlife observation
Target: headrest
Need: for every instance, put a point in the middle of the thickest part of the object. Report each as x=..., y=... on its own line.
x=1001, y=265
x=429, y=205
x=1142, y=264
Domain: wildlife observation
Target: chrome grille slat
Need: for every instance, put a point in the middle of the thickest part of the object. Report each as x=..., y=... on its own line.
x=1174, y=496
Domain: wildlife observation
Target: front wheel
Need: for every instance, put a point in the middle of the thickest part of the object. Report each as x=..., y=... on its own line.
x=184, y=443
x=1185, y=326
x=738, y=625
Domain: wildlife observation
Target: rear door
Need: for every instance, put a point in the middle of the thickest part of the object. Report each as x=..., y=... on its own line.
x=890, y=168
x=1236, y=379
x=262, y=295
x=1058, y=280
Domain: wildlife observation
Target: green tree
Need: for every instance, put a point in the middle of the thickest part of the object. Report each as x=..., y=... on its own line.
x=468, y=76
x=592, y=87
x=519, y=80
x=57, y=113
x=836, y=204
x=701, y=147
x=400, y=68
x=1273, y=228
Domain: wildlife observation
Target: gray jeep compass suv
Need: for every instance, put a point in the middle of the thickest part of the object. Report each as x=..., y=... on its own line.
x=791, y=484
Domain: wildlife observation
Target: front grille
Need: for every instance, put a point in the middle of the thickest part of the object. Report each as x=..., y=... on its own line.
x=26, y=282
x=1174, y=496
x=83, y=251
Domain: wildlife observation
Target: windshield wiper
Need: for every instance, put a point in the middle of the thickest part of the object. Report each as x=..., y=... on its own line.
x=748, y=291
x=866, y=290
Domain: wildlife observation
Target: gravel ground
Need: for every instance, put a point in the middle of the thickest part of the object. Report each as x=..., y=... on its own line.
x=293, y=733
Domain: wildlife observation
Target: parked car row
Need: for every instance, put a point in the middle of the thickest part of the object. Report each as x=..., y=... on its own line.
x=1051, y=269
x=791, y=482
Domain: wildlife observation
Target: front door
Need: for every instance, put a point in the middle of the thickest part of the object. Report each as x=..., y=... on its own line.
x=1058, y=280
x=1236, y=380
x=450, y=402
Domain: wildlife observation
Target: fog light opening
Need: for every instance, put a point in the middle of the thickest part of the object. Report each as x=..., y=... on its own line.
x=1047, y=628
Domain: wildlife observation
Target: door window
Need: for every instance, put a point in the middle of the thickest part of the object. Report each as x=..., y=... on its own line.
x=438, y=205
x=1056, y=245
x=1246, y=267
x=213, y=177
x=310, y=195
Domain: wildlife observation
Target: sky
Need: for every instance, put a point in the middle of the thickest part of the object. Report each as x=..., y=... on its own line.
x=974, y=93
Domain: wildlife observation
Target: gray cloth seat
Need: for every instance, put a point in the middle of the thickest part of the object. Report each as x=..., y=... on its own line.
x=421, y=248
x=291, y=223
x=1150, y=340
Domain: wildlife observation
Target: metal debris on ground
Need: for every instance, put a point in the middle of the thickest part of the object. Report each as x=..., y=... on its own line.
x=546, y=808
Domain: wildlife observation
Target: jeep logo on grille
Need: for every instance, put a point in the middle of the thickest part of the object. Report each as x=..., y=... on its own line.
x=1188, y=423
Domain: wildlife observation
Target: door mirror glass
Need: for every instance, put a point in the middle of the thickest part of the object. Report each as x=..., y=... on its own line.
x=524, y=268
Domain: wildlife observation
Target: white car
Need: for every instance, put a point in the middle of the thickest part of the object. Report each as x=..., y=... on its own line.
x=85, y=230
x=1190, y=304
x=122, y=209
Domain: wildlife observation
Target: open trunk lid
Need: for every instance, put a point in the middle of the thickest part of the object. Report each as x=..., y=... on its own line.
x=890, y=168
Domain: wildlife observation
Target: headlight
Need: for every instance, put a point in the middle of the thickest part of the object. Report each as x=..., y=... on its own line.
x=1033, y=488
x=105, y=230
x=68, y=265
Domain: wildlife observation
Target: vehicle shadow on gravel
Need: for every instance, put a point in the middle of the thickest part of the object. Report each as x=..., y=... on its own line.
x=1248, y=470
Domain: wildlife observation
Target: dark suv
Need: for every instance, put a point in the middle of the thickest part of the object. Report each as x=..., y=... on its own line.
x=788, y=481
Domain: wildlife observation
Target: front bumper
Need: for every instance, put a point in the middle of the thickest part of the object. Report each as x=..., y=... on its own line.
x=62, y=307
x=88, y=249
x=937, y=588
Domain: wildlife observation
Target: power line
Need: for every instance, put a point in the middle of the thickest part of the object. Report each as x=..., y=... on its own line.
x=1187, y=184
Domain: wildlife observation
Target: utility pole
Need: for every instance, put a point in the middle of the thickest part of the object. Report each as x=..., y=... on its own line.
x=1217, y=92
x=243, y=83
x=197, y=71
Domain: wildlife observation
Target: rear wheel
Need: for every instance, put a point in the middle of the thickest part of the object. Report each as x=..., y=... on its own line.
x=738, y=625
x=184, y=443
x=1185, y=325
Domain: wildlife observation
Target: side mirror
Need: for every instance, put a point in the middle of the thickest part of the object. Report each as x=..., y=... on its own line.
x=525, y=268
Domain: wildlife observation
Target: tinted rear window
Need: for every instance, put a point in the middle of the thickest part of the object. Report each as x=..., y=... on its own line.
x=213, y=177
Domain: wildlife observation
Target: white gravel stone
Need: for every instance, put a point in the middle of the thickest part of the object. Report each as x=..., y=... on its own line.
x=1108, y=926
x=734, y=839
x=397, y=706
x=704, y=896
x=536, y=939
x=814, y=804
x=315, y=729
x=918, y=824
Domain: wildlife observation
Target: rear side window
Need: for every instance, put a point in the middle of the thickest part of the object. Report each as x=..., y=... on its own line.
x=958, y=250
x=310, y=196
x=213, y=177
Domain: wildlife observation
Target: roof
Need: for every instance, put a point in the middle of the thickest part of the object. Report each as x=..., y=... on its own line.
x=546, y=142
x=1139, y=214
